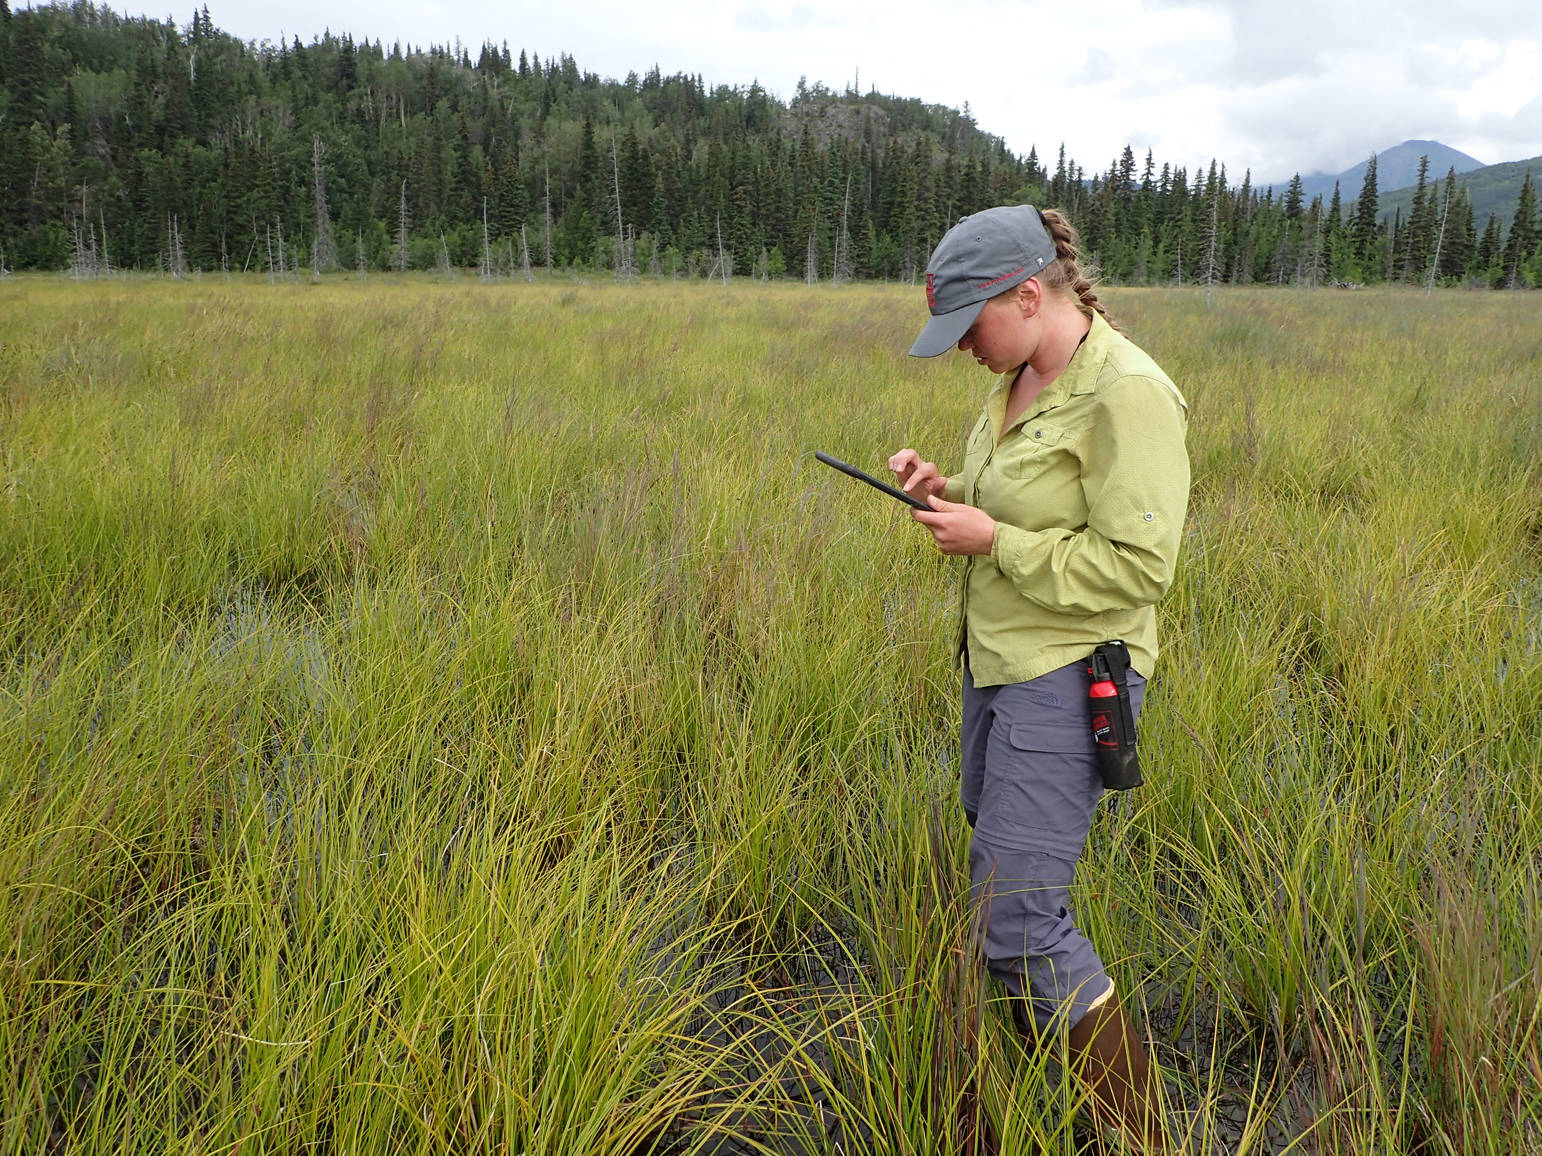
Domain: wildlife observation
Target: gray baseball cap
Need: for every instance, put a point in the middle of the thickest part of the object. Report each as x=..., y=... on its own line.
x=983, y=255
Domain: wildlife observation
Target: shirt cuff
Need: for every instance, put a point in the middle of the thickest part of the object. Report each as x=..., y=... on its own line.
x=1002, y=552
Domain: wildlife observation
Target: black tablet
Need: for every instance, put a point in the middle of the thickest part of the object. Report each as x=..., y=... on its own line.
x=861, y=476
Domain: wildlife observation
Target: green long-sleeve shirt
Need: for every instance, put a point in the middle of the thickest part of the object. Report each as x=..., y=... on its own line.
x=1088, y=489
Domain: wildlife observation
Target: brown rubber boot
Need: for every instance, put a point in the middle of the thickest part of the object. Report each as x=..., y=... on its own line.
x=1107, y=1056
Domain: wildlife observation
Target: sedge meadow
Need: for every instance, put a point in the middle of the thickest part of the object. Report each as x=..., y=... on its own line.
x=462, y=717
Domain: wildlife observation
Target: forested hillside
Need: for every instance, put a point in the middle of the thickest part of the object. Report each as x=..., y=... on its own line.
x=131, y=143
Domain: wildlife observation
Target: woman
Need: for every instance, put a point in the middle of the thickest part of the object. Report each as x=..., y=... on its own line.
x=1068, y=511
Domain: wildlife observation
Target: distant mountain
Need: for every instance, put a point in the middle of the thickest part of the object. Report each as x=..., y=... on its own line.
x=1490, y=189
x=1396, y=168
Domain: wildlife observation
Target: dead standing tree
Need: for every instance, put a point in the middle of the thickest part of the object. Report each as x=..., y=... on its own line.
x=1317, y=268
x=842, y=269
x=811, y=258
x=1429, y=288
x=176, y=257
x=84, y=263
x=106, y=257
x=724, y=264
x=487, y=246
x=1212, y=246
x=623, y=263
x=324, y=258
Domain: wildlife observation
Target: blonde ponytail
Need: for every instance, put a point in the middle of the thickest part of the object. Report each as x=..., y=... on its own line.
x=1065, y=273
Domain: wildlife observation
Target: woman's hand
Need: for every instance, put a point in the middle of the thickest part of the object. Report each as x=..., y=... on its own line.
x=958, y=529
x=915, y=476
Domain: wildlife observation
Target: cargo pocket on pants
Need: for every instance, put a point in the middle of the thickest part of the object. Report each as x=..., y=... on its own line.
x=1041, y=788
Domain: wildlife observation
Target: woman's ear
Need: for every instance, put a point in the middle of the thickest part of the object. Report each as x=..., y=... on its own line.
x=1030, y=296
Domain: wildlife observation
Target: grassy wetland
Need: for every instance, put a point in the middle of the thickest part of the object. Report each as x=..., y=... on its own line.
x=463, y=718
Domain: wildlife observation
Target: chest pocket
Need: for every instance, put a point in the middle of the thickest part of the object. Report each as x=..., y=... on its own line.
x=1033, y=451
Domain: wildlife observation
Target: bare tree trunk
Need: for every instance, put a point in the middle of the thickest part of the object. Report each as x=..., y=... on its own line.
x=1439, y=237
x=548, y=218
x=487, y=248
x=81, y=265
x=178, y=258
x=1318, y=271
x=842, y=270
x=524, y=250
x=1211, y=243
x=811, y=260
x=401, y=231
x=362, y=263
x=324, y=259
x=724, y=263
x=77, y=251
x=623, y=270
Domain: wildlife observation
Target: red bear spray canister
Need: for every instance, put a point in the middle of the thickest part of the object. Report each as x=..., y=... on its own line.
x=1112, y=717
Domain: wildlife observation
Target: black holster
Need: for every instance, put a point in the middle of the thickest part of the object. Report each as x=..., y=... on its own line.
x=1112, y=716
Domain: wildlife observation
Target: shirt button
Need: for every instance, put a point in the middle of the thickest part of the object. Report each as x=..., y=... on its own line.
x=1149, y=516
x=1038, y=433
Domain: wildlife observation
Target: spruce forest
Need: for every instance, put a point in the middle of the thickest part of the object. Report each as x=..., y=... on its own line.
x=132, y=144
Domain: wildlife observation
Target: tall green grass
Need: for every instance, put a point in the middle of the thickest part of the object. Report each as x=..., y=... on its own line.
x=464, y=718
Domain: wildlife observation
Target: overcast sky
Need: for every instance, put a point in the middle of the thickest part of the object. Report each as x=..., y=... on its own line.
x=1267, y=85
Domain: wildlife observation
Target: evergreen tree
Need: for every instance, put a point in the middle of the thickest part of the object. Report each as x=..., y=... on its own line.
x=511, y=200
x=658, y=216
x=1488, y=249
x=1457, y=245
x=1522, y=239
x=1292, y=201
x=27, y=81
x=1363, y=229
x=5, y=42
x=588, y=190
x=1060, y=185
x=1418, y=242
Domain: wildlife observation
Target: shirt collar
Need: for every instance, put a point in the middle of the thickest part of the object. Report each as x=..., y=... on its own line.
x=1079, y=377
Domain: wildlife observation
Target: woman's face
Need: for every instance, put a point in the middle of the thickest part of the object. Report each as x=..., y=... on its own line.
x=1001, y=338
